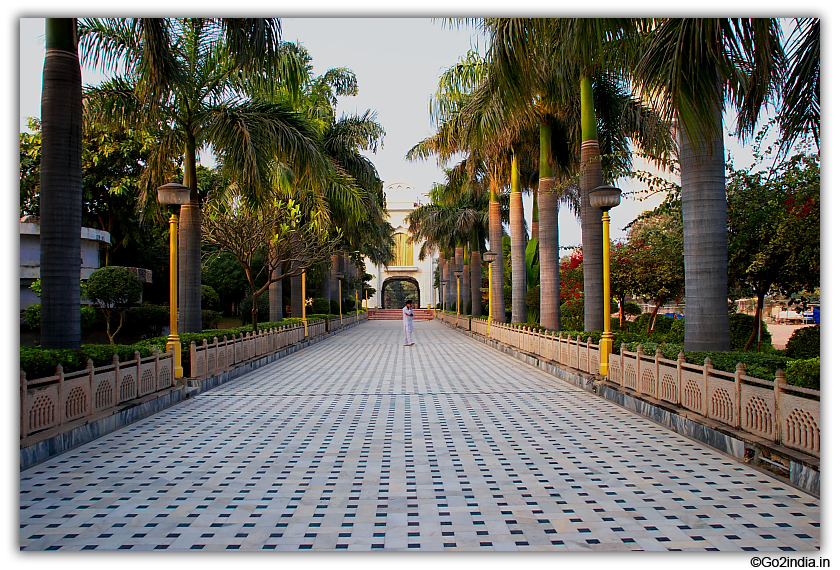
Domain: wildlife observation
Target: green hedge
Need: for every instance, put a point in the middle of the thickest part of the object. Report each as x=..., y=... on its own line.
x=32, y=314
x=804, y=373
x=40, y=362
x=740, y=331
x=804, y=343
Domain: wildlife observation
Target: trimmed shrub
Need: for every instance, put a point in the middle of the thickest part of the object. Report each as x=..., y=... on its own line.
x=468, y=308
x=631, y=308
x=804, y=373
x=245, y=308
x=210, y=319
x=677, y=332
x=319, y=305
x=147, y=320
x=209, y=298
x=40, y=362
x=571, y=315
x=803, y=343
x=333, y=307
x=88, y=318
x=741, y=328
x=32, y=314
x=662, y=324
x=348, y=304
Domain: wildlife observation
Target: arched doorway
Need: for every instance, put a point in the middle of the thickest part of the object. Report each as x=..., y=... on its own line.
x=396, y=290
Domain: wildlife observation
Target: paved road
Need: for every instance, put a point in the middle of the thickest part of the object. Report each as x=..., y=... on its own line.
x=359, y=443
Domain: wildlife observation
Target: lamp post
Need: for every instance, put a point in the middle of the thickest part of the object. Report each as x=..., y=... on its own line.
x=489, y=257
x=339, y=276
x=303, y=301
x=458, y=273
x=604, y=198
x=443, y=283
x=174, y=195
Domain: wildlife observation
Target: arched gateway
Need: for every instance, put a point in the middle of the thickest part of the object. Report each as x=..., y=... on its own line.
x=396, y=290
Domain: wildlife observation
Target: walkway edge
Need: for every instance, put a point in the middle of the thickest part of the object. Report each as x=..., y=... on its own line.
x=804, y=472
x=66, y=441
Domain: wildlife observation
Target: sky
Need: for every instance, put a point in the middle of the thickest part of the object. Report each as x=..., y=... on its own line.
x=397, y=61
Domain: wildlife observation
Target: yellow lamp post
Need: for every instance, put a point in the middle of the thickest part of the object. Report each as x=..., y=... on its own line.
x=458, y=273
x=303, y=302
x=357, y=305
x=443, y=283
x=604, y=198
x=489, y=256
x=174, y=195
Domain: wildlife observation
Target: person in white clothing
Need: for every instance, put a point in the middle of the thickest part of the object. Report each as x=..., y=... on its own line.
x=408, y=322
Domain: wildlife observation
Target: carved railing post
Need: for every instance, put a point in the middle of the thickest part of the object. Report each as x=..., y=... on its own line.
x=777, y=393
x=740, y=371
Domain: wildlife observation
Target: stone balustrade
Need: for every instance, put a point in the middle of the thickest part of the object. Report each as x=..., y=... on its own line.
x=773, y=410
x=212, y=358
x=57, y=400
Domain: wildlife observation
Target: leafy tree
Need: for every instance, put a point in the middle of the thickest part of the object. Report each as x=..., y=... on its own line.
x=247, y=234
x=656, y=243
x=188, y=82
x=774, y=230
x=113, y=289
x=693, y=67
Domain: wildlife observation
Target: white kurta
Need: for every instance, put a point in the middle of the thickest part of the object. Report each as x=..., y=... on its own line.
x=408, y=324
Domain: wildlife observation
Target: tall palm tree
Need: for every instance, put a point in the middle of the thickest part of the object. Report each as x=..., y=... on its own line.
x=800, y=111
x=61, y=187
x=556, y=68
x=193, y=76
x=691, y=67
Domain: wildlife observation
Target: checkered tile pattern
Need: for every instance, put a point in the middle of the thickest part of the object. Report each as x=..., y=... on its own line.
x=360, y=443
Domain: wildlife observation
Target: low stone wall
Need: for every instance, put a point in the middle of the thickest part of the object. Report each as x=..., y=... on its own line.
x=63, y=438
x=798, y=468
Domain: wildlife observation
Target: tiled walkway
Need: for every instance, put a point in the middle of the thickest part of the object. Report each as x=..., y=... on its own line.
x=358, y=443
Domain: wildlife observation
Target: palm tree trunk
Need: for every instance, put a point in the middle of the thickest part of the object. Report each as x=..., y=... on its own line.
x=452, y=289
x=548, y=239
x=275, y=296
x=297, y=295
x=335, y=267
x=459, y=265
x=704, y=219
x=535, y=216
x=61, y=187
x=189, y=250
x=591, y=225
x=518, y=243
x=466, y=288
x=275, y=289
x=549, y=265
x=475, y=278
x=498, y=284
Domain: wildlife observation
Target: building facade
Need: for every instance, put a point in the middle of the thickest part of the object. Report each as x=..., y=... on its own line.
x=407, y=277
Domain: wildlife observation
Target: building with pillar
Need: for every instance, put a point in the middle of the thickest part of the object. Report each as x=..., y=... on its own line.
x=407, y=277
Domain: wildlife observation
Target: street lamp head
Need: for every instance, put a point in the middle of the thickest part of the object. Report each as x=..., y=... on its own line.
x=458, y=273
x=444, y=281
x=173, y=194
x=605, y=197
x=490, y=256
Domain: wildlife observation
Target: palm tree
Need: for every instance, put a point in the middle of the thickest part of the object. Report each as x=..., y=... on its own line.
x=690, y=68
x=556, y=67
x=188, y=82
x=800, y=112
x=61, y=187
